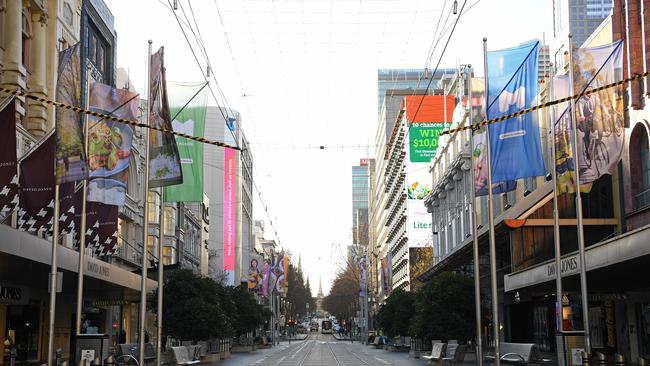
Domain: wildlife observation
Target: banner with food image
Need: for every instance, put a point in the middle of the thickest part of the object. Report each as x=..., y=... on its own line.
x=164, y=160
x=70, y=164
x=109, y=143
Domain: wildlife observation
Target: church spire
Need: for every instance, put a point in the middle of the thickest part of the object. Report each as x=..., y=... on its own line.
x=299, y=263
x=320, y=286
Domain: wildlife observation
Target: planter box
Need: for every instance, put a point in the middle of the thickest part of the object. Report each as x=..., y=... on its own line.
x=243, y=349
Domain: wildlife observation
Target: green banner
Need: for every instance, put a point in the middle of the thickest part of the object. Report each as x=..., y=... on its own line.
x=423, y=141
x=190, y=120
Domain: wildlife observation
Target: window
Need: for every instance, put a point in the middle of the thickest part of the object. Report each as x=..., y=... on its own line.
x=170, y=221
x=67, y=14
x=639, y=155
x=153, y=200
x=152, y=246
x=26, y=39
x=98, y=51
x=168, y=255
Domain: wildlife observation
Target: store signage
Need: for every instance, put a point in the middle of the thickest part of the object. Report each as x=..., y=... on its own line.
x=11, y=294
x=567, y=265
x=99, y=269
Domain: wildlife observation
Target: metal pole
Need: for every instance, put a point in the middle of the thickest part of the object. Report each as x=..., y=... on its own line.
x=556, y=224
x=580, y=228
x=477, y=278
x=493, y=252
x=161, y=266
x=53, y=277
x=145, y=223
x=82, y=228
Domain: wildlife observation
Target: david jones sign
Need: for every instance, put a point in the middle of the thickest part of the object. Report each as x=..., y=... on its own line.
x=12, y=294
x=567, y=265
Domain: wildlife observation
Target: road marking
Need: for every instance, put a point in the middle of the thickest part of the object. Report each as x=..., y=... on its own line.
x=280, y=361
x=382, y=361
x=299, y=349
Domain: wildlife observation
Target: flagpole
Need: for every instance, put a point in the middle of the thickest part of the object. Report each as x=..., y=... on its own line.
x=556, y=222
x=53, y=276
x=580, y=228
x=82, y=228
x=161, y=239
x=493, y=252
x=477, y=279
x=145, y=223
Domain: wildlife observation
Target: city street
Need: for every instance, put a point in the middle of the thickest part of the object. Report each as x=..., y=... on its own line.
x=321, y=350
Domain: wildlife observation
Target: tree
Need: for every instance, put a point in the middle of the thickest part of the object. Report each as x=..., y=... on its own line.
x=192, y=307
x=444, y=308
x=394, y=316
x=249, y=314
x=343, y=293
x=297, y=293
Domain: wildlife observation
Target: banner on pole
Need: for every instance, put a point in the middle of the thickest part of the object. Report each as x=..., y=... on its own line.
x=515, y=146
x=479, y=159
x=37, y=188
x=190, y=120
x=8, y=166
x=164, y=161
x=109, y=143
x=70, y=159
x=599, y=116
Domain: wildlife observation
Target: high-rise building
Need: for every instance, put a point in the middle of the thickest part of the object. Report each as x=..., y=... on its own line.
x=228, y=181
x=577, y=17
x=360, y=185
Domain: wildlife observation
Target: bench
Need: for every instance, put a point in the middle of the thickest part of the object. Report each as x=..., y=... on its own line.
x=519, y=354
x=454, y=354
x=133, y=349
x=437, y=351
x=182, y=356
x=378, y=342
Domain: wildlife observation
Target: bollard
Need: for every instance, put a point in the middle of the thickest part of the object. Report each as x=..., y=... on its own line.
x=109, y=361
x=586, y=359
x=96, y=362
x=599, y=359
x=619, y=360
x=642, y=362
x=58, y=356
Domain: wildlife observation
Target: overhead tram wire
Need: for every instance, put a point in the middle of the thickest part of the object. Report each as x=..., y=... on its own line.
x=201, y=44
x=250, y=112
x=440, y=59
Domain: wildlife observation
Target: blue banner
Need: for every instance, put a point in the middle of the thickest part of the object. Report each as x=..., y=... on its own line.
x=515, y=147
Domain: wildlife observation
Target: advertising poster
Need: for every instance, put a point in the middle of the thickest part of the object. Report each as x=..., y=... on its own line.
x=164, y=161
x=255, y=275
x=109, y=143
x=70, y=164
x=479, y=159
x=188, y=119
x=229, y=213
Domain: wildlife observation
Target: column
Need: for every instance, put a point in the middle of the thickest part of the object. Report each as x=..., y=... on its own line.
x=13, y=75
x=37, y=122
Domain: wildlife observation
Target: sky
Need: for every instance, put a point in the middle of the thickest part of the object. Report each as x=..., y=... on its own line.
x=303, y=73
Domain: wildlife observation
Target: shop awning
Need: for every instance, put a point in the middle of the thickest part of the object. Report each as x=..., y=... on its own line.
x=25, y=245
x=628, y=246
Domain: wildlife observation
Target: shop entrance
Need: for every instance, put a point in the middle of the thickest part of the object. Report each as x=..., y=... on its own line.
x=23, y=324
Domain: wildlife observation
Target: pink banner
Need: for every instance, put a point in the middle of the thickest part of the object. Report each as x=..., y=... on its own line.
x=229, y=199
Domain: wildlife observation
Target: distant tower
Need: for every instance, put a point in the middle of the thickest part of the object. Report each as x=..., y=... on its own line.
x=320, y=296
x=299, y=263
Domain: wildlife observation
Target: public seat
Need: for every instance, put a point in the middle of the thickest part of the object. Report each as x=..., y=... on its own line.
x=133, y=349
x=437, y=351
x=454, y=354
x=519, y=354
x=378, y=342
x=182, y=356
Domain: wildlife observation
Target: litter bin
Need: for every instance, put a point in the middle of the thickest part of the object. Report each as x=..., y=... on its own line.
x=90, y=347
